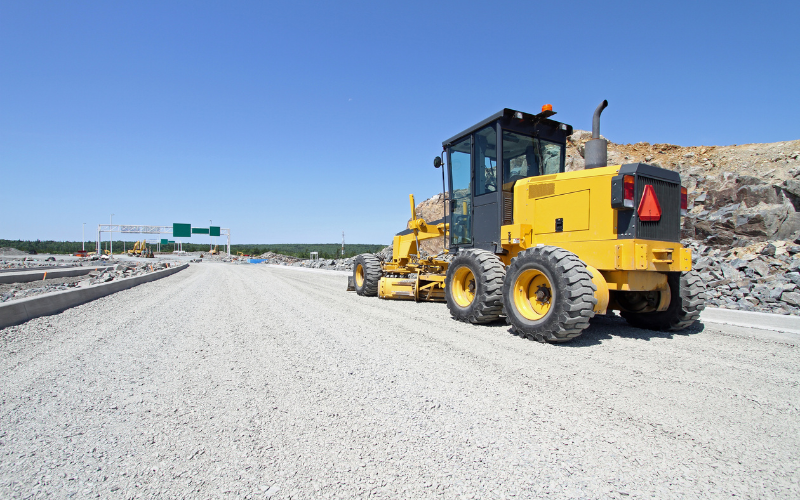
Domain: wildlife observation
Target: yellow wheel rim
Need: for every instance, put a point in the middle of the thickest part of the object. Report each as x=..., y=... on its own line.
x=533, y=294
x=359, y=275
x=463, y=286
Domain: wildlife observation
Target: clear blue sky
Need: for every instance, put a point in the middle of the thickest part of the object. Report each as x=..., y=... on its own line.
x=295, y=121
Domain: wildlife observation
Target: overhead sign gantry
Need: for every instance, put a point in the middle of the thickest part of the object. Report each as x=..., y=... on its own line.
x=177, y=230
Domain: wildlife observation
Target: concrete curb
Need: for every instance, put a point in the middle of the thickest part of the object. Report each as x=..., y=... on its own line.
x=759, y=320
x=22, y=310
x=37, y=275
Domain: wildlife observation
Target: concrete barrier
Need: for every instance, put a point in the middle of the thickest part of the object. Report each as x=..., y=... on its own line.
x=38, y=274
x=19, y=311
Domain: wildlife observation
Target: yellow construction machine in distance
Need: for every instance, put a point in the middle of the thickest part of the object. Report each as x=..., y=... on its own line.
x=137, y=248
x=545, y=248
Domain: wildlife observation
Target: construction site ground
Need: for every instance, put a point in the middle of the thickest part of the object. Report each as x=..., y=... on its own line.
x=273, y=382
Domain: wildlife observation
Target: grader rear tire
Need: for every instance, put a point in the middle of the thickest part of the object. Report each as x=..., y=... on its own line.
x=548, y=294
x=687, y=300
x=474, y=285
x=366, y=274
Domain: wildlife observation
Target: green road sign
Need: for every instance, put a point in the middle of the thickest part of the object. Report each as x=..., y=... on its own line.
x=171, y=242
x=181, y=230
x=214, y=230
x=199, y=230
x=164, y=241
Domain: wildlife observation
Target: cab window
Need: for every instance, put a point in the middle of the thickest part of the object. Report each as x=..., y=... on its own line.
x=485, y=161
x=461, y=183
x=524, y=156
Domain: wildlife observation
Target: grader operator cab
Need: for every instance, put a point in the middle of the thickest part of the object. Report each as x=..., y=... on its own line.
x=545, y=248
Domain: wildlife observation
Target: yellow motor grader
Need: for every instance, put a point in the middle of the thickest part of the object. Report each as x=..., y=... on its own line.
x=545, y=248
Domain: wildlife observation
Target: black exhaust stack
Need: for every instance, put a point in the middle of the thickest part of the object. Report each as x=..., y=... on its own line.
x=596, y=154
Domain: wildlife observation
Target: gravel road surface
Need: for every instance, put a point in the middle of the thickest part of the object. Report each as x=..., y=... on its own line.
x=228, y=381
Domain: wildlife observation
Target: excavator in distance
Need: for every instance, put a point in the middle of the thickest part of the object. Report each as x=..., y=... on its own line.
x=140, y=249
x=545, y=248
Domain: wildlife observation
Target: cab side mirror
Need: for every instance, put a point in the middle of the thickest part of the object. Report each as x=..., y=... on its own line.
x=437, y=162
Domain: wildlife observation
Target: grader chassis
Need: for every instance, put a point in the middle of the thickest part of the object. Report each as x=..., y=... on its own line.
x=545, y=248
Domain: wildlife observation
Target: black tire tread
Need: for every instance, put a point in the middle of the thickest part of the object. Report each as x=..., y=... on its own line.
x=488, y=303
x=692, y=301
x=578, y=308
x=372, y=274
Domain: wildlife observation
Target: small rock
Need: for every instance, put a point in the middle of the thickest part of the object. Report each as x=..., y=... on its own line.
x=792, y=298
x=738, y=263
x=760, y=267
x=775, y=294
x=272, y=491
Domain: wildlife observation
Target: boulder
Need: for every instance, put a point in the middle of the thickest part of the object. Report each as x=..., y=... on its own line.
x=761, y=221
x=769, y=249
x=790, y=228
x=752, y=195
x=791, y=187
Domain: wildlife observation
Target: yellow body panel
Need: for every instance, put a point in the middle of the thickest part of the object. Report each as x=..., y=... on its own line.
x=582, y=200
x=429, y=287
x=549, y=208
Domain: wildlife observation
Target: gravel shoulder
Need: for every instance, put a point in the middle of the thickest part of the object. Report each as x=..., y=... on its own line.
x=266, y=382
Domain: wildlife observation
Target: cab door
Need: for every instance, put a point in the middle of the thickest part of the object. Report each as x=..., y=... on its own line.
x=460, y=161
x=486, y=215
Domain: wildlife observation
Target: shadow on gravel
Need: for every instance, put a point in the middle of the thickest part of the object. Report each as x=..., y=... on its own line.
x=602, y=328
x=607, y=327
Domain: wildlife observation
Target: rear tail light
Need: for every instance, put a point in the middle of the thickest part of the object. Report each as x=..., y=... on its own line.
x=627, y=191
x=684, y=201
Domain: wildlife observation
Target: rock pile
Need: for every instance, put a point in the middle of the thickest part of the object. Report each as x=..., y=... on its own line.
x=762, y=277
x=30, y=263
x=119, y=271
x=278, y=259
x=11, y=251
x=330, y=264
x=125, y=270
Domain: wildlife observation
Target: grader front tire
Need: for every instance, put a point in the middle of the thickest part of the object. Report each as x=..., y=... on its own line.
x=548, y=294
x=474, y=285
x=366, y=274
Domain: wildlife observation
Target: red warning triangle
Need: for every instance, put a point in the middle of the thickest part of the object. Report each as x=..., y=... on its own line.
x=649, y=209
